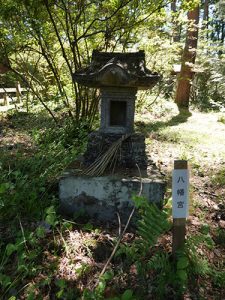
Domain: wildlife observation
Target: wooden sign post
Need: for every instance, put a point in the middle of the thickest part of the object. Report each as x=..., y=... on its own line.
x=180, y=208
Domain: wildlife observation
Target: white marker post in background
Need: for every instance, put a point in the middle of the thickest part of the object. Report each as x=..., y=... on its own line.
x=180, y=207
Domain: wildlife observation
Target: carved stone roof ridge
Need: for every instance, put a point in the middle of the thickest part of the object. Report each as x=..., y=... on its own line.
x=117, y=69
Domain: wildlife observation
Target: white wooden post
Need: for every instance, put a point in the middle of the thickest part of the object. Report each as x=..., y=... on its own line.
x=180, y=195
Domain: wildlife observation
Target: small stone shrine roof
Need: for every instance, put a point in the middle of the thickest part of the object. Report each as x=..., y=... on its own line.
x=114, y=69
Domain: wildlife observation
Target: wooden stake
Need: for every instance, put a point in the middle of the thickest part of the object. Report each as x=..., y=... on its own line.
x=18, y=92
x=6, y=99
x=179, y=224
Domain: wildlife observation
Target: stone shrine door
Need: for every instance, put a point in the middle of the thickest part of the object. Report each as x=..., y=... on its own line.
x=118, y=113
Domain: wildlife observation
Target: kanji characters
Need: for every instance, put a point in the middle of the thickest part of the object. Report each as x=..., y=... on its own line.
x=180, y=179
x=180, y=204
x=180, y=192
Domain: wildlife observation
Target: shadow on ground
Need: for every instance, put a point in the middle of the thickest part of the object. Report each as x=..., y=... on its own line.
x=26, y=122
x=147, y=128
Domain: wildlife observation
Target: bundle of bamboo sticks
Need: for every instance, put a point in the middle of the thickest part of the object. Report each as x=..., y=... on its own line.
x=109, y=158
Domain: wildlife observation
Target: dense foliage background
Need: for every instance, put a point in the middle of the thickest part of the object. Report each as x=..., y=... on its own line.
x=44, y=42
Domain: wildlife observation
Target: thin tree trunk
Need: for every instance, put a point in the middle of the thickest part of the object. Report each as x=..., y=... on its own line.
x=177, y=27
x=173, y=5
x=206, y=17
x=222, y=32
x=188, y=59
x=3, y=69
x=206, y=11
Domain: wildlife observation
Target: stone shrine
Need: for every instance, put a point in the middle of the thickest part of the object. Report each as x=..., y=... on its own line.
x=109, y=172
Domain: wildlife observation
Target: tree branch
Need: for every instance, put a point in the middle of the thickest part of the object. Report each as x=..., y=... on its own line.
x=58, y=36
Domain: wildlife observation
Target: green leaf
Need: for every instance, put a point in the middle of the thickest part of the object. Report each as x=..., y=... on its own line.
x=127, y=295
x=42, y=189
x=10, y=248
x=40, y=231
x=182, y=275
x=50, y=210
x=50, y=219
x=5, y=280
x=88, y=226
x=139, y=201
x=31, y=296
x=23, y=268
x=101, y=287
x=108, y=275
x=4, y=187
x=67, y=225
x=61, y=283
x=60, y=294
x=182, y=263
x=205, y=229
x=16, y=173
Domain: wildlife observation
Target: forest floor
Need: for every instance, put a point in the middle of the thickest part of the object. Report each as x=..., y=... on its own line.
x=63, y=260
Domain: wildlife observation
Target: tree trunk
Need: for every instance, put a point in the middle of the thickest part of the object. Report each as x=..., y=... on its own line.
x=173, y=5
x=205, y=24
x=188, y=59
x=4, y=66
x=206, y=11
x=177, y=27
x=222, y=33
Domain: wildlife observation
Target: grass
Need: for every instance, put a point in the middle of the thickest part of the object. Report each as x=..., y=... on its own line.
x=197, y=136
x=219, y=178
x=32, y=157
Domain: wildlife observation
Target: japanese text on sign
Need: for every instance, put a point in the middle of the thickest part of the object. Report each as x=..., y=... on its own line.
x=180, y=193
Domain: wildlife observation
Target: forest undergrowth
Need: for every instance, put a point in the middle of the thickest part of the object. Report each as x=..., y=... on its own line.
x=44, y=255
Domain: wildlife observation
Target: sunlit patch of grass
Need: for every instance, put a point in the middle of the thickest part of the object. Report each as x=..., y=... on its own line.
x=186, y=137
x=221, y=119
x=219, y=177
x=202, y=136
x=169, y=136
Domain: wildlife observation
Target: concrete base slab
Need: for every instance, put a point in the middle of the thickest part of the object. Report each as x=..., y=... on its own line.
x=101, y=197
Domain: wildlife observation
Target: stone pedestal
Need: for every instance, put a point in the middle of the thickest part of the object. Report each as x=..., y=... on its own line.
x=101, y=197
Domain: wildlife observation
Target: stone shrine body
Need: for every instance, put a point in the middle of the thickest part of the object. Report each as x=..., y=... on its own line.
x=118, y=76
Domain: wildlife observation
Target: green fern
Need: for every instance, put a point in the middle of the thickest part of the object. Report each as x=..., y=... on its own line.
x=164, y=274
x=152, y=224
x=218, y=278
x=198, y=265
x=159, y=261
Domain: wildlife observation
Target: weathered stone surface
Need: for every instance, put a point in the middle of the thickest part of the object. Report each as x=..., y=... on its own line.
x=118, y=70
x=102, y=197
x=132, y=151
